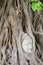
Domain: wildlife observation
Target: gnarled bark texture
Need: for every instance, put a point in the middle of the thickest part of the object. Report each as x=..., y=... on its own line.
x=21, y=34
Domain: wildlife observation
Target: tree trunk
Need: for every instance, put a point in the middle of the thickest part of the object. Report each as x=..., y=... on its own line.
x=18, y=39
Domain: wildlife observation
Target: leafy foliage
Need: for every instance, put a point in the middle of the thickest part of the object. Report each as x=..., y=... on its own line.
x=36, y=5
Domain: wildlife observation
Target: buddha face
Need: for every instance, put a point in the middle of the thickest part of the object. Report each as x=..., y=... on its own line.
x=27, y=43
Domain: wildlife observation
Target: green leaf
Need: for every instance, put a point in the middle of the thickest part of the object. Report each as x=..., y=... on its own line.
x=34, y=0
x=39, y=7
x=36, y=6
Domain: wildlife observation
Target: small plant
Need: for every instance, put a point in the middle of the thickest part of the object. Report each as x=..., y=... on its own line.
x=36, y=5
